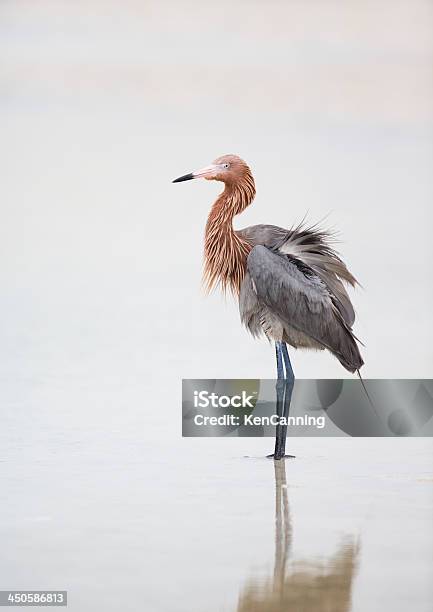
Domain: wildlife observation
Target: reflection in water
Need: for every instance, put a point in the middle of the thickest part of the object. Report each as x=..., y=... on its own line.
x=317, y=586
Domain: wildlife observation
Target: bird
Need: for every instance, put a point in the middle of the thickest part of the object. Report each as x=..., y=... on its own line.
x=290, y=283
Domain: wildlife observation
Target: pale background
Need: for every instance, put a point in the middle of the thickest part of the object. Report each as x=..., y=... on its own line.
x=102, y=104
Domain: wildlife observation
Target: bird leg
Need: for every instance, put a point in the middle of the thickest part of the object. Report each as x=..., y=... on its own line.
x=290, y=382
x=279, y=441
x=288, y=389
x=284, y=389
x=289, y=369
x=279, y=356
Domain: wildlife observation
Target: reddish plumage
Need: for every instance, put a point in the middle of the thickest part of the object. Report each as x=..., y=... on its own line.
x=225, y=252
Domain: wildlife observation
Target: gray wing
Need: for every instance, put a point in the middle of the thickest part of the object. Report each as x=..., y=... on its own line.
x=312, y=247
x=291, y=291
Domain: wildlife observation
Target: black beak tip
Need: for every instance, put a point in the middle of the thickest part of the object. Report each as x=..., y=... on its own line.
x=185, y=177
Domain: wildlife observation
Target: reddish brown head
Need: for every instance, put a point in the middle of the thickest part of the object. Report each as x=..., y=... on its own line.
x=229, y=169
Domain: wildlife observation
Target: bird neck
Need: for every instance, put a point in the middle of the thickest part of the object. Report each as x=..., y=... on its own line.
x=225, y=252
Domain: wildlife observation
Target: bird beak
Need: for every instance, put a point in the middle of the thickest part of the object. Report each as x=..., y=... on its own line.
x=208, y=171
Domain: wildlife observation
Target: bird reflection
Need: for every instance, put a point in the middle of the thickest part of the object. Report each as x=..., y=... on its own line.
x=309, y=586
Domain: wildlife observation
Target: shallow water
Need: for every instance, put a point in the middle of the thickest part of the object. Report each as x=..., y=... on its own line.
x=125, y=523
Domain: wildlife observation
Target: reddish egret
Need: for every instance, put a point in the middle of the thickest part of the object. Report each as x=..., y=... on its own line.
x=289, y=281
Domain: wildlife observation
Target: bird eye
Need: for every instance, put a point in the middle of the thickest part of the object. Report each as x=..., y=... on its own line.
x=226, y=165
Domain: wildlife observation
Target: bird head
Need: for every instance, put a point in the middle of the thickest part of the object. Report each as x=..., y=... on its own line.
x=227, y=169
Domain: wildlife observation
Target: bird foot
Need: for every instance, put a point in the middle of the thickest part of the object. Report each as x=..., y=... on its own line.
x=282, y=457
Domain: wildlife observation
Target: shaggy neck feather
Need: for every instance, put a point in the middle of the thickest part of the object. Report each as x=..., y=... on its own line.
x=225, y=252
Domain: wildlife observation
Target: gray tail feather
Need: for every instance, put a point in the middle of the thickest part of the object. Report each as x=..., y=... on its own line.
x=349, y=354
x=367, y=394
